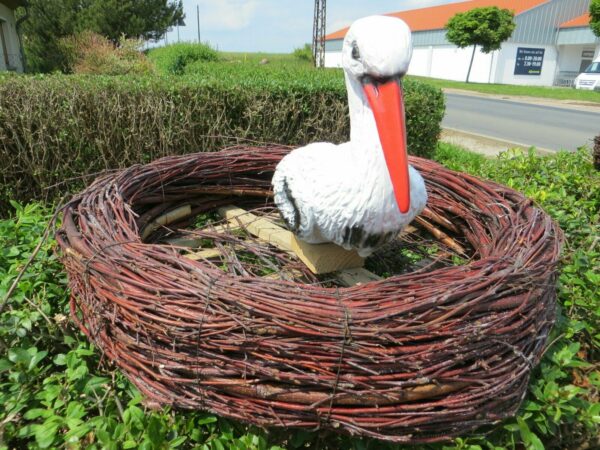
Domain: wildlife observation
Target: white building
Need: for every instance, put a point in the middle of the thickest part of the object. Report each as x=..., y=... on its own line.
x=552, y=43
x=10, y=48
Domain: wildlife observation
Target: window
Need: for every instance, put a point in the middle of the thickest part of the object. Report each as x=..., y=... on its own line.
x=593, y=68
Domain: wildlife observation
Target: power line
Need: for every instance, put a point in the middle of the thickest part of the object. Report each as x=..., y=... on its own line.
x=198, y=21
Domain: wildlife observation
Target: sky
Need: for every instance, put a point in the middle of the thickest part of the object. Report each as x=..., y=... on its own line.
x=275, y=26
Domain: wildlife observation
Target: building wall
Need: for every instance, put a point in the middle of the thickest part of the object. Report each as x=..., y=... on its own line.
x=578, y=35
x=540, y=24
x=9, y=26
x=333, y=59
x=570, y=56
x=452, y=63
x=434, y=56
x=505, y=66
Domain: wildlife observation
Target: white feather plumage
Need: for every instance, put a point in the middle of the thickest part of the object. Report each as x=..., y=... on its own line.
x=343, y=193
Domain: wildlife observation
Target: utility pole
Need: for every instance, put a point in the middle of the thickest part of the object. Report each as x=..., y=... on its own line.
x=198, y=21
x=318, y=44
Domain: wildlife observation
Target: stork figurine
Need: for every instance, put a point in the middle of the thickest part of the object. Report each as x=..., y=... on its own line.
x=362, y=193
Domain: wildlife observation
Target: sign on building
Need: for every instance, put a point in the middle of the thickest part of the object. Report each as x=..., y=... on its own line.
x=529, y=61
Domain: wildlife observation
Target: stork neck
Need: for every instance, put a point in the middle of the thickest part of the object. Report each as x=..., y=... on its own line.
x=363, y=129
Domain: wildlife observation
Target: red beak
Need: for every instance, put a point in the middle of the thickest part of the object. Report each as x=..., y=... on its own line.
x=387, y=104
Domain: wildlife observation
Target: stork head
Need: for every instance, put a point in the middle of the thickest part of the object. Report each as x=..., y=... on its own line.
x=376, y=52
x=378, y=47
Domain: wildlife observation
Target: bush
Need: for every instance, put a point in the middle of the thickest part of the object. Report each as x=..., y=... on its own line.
x=92, y=54
x=304, y=53
x=173, y=59
x=57, y=131
x=58, y=391
x=597, y=152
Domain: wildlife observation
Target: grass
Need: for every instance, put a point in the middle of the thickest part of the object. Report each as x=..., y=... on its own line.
x=556, y=93
x=274, y=59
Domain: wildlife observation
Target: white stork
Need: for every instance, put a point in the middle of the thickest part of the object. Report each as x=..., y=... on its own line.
x=359, y=194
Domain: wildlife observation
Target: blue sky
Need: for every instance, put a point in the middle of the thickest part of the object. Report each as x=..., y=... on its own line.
x=276, y=26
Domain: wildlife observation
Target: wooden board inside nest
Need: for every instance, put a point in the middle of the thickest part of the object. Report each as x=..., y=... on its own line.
x=258, y=243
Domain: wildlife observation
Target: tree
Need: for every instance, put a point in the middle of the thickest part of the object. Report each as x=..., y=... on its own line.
x=595, y=17
x=51, y=20
x=140, y=19
x=487, y=27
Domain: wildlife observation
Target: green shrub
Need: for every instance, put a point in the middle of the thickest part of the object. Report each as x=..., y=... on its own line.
x=55, y=391
x=93, y=54
x=57, y=131
x=173, y=59
x=304, y=53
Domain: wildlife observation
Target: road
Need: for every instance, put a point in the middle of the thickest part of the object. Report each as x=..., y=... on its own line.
x=546, y=127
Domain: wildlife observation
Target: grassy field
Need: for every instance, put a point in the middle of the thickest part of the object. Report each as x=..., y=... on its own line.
x=557, y=93
x=273, y=59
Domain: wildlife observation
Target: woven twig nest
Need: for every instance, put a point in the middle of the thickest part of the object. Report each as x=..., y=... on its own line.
x=417, y=357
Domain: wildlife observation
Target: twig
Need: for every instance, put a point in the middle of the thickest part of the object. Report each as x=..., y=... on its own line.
x=440, y=235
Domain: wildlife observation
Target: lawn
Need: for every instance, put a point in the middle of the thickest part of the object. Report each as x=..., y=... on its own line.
x=274, y=59
x=556, y=93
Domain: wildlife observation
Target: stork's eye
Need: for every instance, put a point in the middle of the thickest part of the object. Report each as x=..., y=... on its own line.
x=355, y=51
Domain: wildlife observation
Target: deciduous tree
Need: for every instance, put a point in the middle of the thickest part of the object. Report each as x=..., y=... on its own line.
x=595, y=17
x=486, y=27
x=51, y=20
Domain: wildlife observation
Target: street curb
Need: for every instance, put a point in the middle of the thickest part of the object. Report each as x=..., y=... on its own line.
x=577, y=105
x=485, y=145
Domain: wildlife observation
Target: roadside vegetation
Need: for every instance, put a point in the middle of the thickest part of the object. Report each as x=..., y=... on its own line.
x=58, y=131
x=556, y=93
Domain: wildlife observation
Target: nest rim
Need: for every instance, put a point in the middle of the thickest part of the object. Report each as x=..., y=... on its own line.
x=78, y=259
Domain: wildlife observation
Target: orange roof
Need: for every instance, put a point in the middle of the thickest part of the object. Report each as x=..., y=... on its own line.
x=436, y=17
x=581, y=21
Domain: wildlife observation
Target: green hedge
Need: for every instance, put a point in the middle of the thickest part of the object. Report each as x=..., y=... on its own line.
x=173, y=59
x=55, y=131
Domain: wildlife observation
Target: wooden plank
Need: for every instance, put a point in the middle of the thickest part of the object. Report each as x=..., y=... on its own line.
x=325, y=258
x=261, y=228
x=320, y=258
x=354, y=277
x=223, y=228
x=204, y=254
x=409, y=229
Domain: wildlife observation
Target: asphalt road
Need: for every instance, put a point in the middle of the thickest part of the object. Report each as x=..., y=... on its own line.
x=546, y=127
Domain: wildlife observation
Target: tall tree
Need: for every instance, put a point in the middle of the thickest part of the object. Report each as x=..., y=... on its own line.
x=51, y=20
x=146, y=19
x=485, y=27
x=595, y=17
